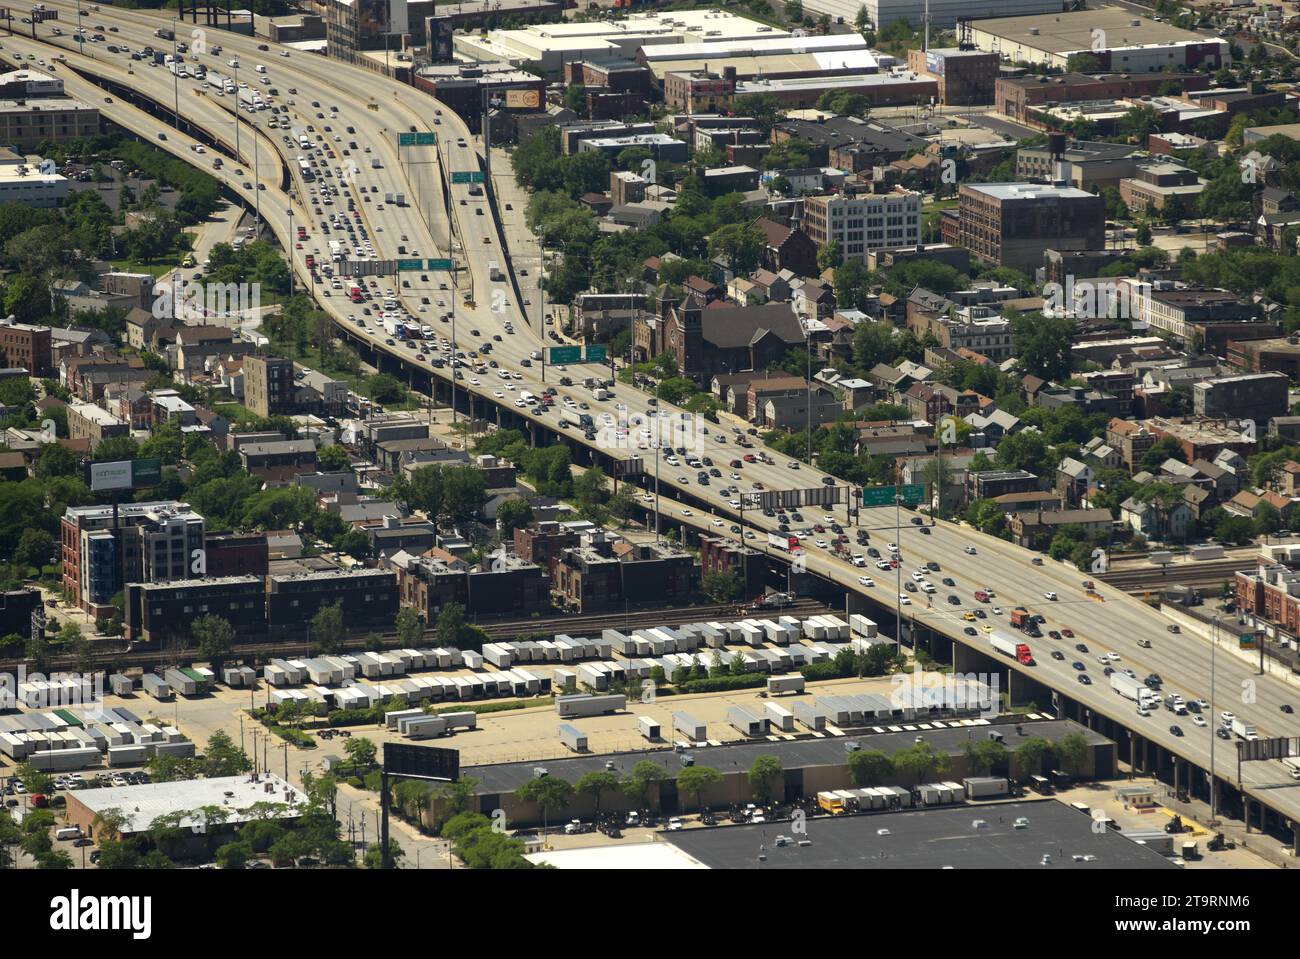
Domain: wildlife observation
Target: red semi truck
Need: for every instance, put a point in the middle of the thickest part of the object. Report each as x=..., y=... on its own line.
x=1009, y=647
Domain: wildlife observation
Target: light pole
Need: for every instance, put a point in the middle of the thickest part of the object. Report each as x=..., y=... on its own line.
x=176, y=77
x=81, y=36
x=1214, y=730
x=290, y=250
x=239, y=156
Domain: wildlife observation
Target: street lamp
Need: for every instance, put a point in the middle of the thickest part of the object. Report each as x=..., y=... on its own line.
x=1214, y=731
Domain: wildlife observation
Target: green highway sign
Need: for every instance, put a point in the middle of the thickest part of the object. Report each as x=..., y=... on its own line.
x=564, y=354
x=407, y=266
x=417, y=139
x=440, y=264
x=466, y=176
x=911, y=493
x=597, y=354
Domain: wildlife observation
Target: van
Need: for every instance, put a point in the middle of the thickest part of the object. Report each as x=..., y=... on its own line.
x=1144, y=642
x=68, y=832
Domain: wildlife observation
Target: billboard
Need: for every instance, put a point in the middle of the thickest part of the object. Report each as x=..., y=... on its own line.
x=125, y=474
x=934, y=63
x=523, y=100
x=421, y=762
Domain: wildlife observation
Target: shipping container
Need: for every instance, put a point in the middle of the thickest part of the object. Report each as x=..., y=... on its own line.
x=985, y=787
x=156, y=686
x=862, y=626
x=780, y=717
x=649, y=728
x=777, y=685
x=690, y=727
x=581, y=704
x=745, y=722
x=573, y=738
x=809, y=715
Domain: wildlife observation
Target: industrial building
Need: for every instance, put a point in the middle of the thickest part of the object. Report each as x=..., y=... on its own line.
x=1053, y=835
x=809, y=765
x=881, y=89
x=1010, y=224
x=963, y=76
x=143, y=805
x=1129, y=43
x=21, y=180
x=943, y=13
x=551, y=46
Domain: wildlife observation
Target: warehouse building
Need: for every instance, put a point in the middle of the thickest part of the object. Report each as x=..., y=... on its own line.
x=963, y=76
x=943, y=13
x=551, y=46
x=809, y=766
x=241, y=798
x=881, y=89
x=1128, y=43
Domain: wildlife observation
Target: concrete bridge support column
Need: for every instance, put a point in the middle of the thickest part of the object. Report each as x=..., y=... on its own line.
x=965, y=659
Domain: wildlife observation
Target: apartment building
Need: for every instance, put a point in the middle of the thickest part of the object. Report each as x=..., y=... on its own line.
x=1011, y=224
x=865, y=222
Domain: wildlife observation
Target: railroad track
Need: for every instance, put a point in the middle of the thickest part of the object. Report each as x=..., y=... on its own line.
x=1214, y=573
x=576, y=625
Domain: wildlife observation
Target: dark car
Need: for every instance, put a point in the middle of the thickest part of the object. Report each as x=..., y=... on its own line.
x=1057, y=654
x=970, y=631
x=1078, y=665
x=1085, y=679
x=1054, y=634
x=1176, y=730
x=952, y=598
x=947, y=581
x=1081, y=647
x=1222, y=733
x=1286, y=708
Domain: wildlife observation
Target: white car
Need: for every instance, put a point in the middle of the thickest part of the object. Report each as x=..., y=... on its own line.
x=821, y=544
x=716, y=522
x=687, y=512
x=1143, y=711
x=917, y=575
x=903, y=600
x=881, y=564
x=1050, y=595
x=866, y=581
x=1198, y=720
x=1226, y=718
x=970, y=550
x=892, y=547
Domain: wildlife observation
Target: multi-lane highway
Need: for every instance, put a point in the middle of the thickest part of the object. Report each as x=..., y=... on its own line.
x=378, y=109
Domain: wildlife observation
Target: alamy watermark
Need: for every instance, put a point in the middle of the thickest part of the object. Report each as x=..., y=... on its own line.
x=1097, y=299
x=191, y=300
x=953, y=692
x=56, y=690
x=676, y=434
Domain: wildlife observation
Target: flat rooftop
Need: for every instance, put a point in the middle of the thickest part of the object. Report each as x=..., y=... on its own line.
x=1068, y=32
x=145, y=803
x=945, y=736
x=927, y=839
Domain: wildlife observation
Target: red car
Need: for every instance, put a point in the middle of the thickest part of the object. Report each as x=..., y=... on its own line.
x=1068, y=633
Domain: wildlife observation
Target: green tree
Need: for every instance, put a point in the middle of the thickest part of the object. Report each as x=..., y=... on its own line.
x=1030, y=756
x=409, y=626
x=361, y=752
x=920, y=762
x=1074, y=753
x=1042, y=344
x=327, y=628
x=596, y=784
x=722, y=586
x=694, y=780
x=869, y=767
x=549, y=793
x=643, y=775
x=215, y=637
x=983, y=756
x=513, y=514
x=333, y=459
x=765, y=774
